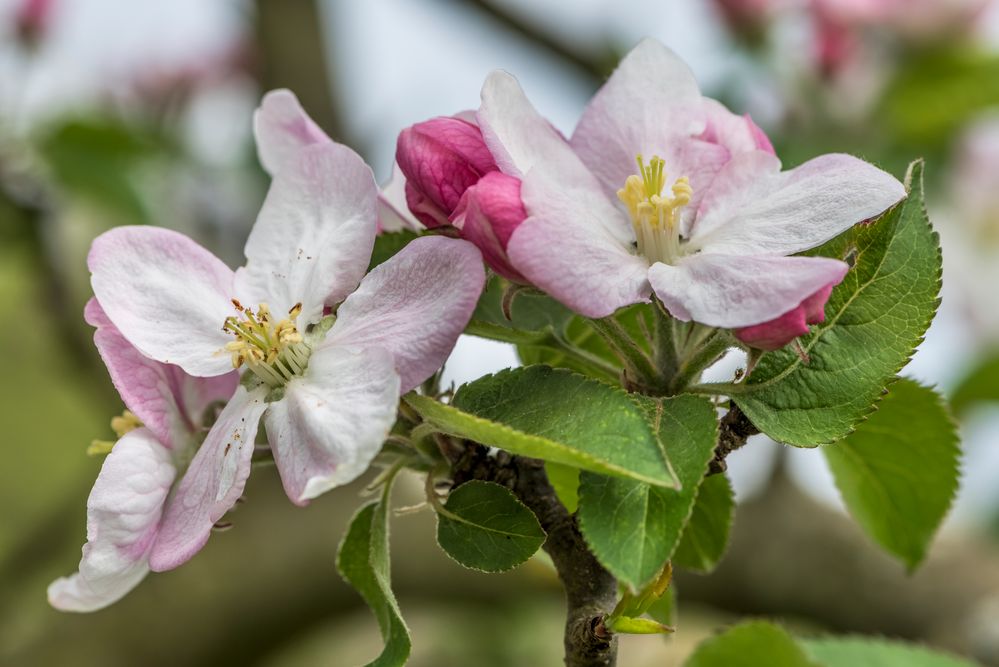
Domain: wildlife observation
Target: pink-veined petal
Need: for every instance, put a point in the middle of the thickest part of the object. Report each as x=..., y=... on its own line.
x=166, y=294
x=576, y=246
x=520, y=138
x=332, y=421
x=168, y=401
x=754, y=209
x=123, y=514
x=282, y=128
x=415, y=305
x=213, y=482
x=313, y=238
x=739, y=291
x=650, y=102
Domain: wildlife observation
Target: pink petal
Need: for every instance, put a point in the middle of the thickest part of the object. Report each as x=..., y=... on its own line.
x=213, y=482
x=650, y=102
x=576, y=246
x=441, y=158
x=168, y=401
x=332, y=422
x=753, y=208
x=520, y=138
x=780, y=331
x=313, y=238
x=166, y=294
x=737, y=134
x=123, y=513
x=732, y=291
x=414, y=306
x=282, y=128
x=487, y=215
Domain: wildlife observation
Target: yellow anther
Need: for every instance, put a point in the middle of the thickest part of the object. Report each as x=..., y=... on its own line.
x=275, y=352
x=655, y=216
x=124, y=423
x=99, y=447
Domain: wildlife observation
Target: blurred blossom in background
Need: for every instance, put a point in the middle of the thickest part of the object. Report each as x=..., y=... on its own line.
x=115, y=112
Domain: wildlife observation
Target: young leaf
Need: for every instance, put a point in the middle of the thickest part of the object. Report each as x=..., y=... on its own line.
x=865, y=652
x=363, y=561
x=751, y=645
x=530, y=310
x=388, y=244
x=898, y=471
x=874, y=320
x=706, y=535
x=979, y=386
x=557, y=416
x=565, y=481
x=632, y=527
x=664, y=609
x=486, y=528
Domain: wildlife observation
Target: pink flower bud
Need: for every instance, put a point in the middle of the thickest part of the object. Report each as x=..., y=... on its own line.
x=32, y=20
x=487, y=216
x=441, y=158
x=780, y=331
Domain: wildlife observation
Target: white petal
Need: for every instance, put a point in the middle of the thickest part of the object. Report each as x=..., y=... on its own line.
x=649, y=104
x=415, y=305
x=519, y=138
x=732, y=291
x=213, y=482
x=313, y=238
x=282, y=128
x=332, y=421
x=166, y=294
x=393, y=211
x=576, y=246
x=123, y=513
x=754, y=209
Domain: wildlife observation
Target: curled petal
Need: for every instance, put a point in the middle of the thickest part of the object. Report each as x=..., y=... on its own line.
x=313, y=238
x=414, y=306
x=166, y=294
x=393, y=211
x=332, y=421
x=213, y=482
x=282, y=128
x=736, y=291
x=737, y=134
x=123, y=515
x=168, y=401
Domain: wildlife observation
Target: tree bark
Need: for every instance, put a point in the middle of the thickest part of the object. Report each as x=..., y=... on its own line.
x=590, y=590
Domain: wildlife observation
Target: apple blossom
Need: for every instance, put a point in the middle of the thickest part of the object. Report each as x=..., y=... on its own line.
x=326, y=385
x=712, y=241
x=168, y=411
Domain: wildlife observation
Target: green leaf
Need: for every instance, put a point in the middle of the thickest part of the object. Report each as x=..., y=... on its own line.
x=565, y=481
x=486, y=528
x=387, y=244
x=633, y=528
x=664, y=609
x=865, y=652
x=751, y=645
x=979, y=386
x=557, y=416
x=363, y=561
x=874, y=320
x=530, y=311
x=706, y=535
x=898, y=471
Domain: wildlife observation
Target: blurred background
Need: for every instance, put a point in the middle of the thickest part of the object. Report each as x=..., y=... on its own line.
x=119, y=112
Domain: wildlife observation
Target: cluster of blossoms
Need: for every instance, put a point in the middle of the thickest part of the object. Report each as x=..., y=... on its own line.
x=659, y=192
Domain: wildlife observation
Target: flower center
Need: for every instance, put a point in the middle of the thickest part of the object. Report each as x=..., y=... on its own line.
x=655, y=217
x=274, y=351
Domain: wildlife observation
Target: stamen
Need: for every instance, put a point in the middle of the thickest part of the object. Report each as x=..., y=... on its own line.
x=274, y=352
x=655, y=217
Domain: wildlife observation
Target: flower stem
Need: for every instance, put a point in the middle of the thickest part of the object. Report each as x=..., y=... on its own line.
x=637, y=363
